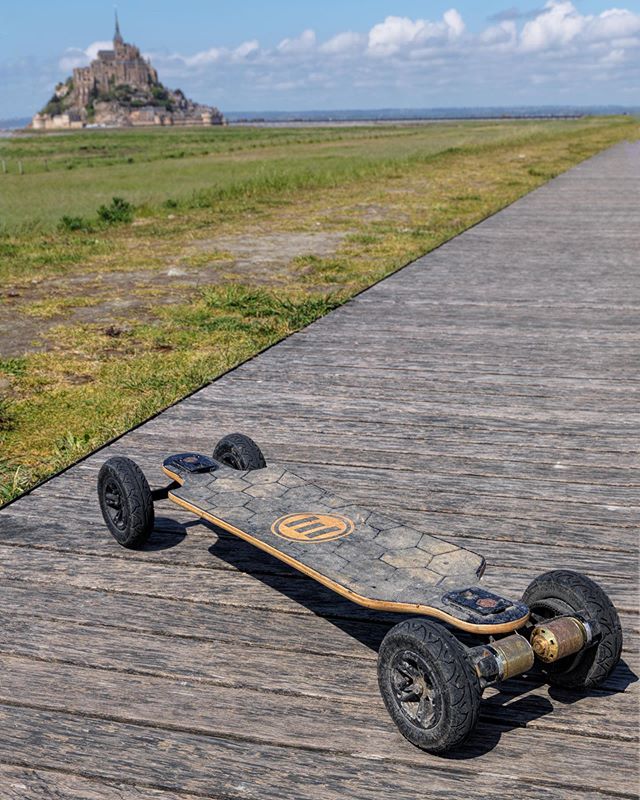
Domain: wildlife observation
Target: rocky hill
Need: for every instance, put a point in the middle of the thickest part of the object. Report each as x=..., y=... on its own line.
x=120, y=89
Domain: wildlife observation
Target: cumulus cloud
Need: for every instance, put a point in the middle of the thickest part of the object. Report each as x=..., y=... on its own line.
x=76, y=57
x=504, y=34
x=346, y=42
x=560, y=24
x=396, y=34
x=203, y=58
x=555, y=53
x=245, y=50
x=301, y=44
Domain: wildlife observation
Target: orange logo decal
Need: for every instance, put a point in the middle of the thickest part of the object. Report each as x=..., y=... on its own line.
x=312, y=527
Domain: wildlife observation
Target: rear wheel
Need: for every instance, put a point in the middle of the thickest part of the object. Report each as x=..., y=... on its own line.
x=428, y=684
x=126, y=501
x=239, y=452
x=567, y=592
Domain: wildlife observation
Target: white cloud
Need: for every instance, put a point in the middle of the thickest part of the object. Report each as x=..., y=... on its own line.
x=617, y=23
x=555, y=53
x=76, y=57
x=245, y=50
x=302, y=44
x=343, y=43
x=557, y=25
x=454, y=22
x=503, y=34
x=560, y=24
x=201, y=59
x=614, y=57
x=396, y=34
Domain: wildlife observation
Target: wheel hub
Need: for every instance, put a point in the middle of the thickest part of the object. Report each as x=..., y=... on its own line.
x=414, y=690
x=115, y=505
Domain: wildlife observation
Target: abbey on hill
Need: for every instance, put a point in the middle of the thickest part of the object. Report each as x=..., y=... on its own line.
x=120, y=89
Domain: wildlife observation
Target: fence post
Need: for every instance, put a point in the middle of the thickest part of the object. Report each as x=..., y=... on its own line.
x=20, y=169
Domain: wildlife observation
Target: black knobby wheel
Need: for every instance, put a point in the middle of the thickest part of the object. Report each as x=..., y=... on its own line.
x=429, y=685
x=239, y=452
x=126, y=501
x=567, y=592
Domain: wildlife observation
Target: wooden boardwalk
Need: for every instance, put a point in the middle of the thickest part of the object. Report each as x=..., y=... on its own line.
x=488, y=394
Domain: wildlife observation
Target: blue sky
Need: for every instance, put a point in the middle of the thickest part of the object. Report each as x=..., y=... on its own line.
x=380, y=53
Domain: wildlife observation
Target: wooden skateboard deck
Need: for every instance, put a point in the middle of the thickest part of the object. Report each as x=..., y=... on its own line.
x=360, y=554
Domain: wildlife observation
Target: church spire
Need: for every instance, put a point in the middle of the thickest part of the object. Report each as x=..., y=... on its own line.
x=117, y=37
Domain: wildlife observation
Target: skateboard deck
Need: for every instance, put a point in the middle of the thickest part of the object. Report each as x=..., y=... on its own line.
x=360, y=554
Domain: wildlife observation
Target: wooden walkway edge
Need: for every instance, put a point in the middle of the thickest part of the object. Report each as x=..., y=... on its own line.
x=487, y=394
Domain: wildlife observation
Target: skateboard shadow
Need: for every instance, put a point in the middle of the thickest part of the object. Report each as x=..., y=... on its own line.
x=366, y=626
x=167, y=533
x=515, y=705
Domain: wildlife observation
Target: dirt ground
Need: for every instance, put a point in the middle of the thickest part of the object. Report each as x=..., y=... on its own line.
x=27, y=313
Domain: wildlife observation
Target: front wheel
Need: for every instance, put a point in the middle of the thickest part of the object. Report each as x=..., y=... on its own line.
x=126, y=501
x=428, y=684
x=239, y=452
x=563, y=591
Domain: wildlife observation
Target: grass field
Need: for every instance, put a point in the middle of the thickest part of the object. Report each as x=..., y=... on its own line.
x=225, y=241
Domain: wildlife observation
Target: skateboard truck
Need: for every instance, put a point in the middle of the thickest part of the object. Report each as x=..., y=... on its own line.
x=549, y=642
x=431, y=683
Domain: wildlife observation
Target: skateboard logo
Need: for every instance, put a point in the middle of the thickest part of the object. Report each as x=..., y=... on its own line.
x=312, y=527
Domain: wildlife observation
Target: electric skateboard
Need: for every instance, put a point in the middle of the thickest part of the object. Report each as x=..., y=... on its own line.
x=430, y=682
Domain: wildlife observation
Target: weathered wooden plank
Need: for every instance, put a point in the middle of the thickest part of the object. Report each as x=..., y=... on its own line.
x=452, y=457
x=237, y=669
x=439, y=452
x=177, y=540
x=180, y=581
x=24, y=783
x=295, y=722
x=28, y=784
x=341, y=629
x=215, y=767
x=473, y=496
x=526, y=418
x=308, y=413
x=307, y=430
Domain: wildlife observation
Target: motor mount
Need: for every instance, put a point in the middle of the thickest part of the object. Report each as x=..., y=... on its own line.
x=515, y=654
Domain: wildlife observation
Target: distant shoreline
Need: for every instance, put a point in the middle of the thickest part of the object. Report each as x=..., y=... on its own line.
x=389, y=116
x=327, y=123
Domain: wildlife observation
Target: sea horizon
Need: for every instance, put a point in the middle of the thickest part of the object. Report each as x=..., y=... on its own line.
x=399, y=114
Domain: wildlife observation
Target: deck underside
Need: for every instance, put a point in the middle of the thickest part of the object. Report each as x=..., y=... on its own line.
x=486, y=395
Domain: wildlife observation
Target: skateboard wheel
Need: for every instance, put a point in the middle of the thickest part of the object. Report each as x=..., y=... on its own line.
x=566, y=592
x=429, y=684
x=125, y=501
x=239, y=452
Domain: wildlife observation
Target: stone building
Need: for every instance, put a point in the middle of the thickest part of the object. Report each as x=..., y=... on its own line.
x=122, y=66
x=120, y=89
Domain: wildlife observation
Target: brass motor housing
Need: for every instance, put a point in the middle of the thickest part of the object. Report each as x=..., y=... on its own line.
x=558, y=638
x=503, y=658
x=514, y=655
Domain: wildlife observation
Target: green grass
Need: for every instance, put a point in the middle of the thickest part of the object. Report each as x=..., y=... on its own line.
x=197, y=168
x=391, y=194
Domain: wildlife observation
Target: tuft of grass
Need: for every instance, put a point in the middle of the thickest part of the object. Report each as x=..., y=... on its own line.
x=13, y=366
x=13, y=481
x=292, y=311
x=53, y=307
x=71, y=223
x=118, y=212
x=6, y=416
